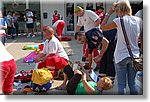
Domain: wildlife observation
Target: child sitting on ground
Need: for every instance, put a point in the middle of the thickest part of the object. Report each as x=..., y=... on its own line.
x=78, y=84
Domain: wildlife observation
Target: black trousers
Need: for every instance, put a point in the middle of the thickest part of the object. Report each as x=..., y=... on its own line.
x=73, y=80
x=107, y=63
x=9, y=30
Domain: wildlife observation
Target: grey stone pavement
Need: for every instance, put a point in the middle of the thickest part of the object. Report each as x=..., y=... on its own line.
x=15, y=48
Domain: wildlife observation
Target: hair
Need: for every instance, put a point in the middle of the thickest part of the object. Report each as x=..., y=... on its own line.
x=50, y=29
x=78, y=9
x=123, y=6
x=107, y=83
x=78, y=34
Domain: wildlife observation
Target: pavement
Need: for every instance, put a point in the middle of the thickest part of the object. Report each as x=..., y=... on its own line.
x=14, y=46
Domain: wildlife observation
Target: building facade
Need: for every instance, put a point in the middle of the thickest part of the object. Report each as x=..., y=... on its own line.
x=44, y=9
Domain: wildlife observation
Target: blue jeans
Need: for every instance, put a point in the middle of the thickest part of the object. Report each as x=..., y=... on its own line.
x=125, y=70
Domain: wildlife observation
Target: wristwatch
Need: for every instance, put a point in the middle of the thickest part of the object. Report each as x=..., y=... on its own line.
x=107, y=14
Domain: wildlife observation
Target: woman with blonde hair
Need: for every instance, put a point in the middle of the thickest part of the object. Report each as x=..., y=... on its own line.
x=133, y=27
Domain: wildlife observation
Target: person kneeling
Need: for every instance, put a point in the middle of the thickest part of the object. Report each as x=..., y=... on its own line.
x=53, y=55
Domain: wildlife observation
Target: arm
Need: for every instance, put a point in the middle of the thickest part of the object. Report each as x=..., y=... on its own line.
x=4, y=27
x=89, y=89
x=109, y=26
x=13, y=24
x=141, y=39
x=77, y=29
x=90, y=60
x=37, y=59
x=97, y=22
x=105, y=43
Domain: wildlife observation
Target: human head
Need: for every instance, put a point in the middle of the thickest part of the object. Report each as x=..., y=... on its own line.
x=55, y=11
x=100, y=9
x=79, y=11
x=48, y=32
x=13, y=13
x=9, y=13
x=26, y=10
x=122, y=7
x=104, y=83
x=80, y=37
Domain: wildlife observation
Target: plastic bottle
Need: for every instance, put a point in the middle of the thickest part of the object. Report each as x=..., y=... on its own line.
x=19, y=86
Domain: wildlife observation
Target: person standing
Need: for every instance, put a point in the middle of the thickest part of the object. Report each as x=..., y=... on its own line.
x=123, y=62
x=9, y=24
x=3, y=27
x=107, y=67
x=14, y=21
x=7, y=71
x=56, y=16
x=29, y=22
x=100, y=13
x=58, y=26
x=90, y=20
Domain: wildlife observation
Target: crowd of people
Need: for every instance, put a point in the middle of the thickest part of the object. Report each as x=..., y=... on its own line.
x=104, y=44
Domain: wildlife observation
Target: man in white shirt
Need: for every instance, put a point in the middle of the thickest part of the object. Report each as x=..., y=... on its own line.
x=29, y=22
x=53, y=56
x=58, y=26
x=7, y=70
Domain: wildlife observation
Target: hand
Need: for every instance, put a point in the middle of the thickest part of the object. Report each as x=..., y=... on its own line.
x=90, y=70
x=97, y=58
x=44, y=58
x=111, y=10
x=37, y=59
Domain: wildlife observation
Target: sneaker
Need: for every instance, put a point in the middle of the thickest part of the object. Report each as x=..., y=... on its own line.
x=28, y=36
x=33, y=36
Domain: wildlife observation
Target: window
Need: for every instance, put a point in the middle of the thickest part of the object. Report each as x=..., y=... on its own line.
x=70, y=16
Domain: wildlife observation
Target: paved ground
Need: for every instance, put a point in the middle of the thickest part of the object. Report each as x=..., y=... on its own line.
x=15, y=48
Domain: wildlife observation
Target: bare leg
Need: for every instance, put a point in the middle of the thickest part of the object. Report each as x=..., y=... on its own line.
x=63, y=85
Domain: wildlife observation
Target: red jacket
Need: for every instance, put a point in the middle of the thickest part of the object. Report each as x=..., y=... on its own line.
x=56, y=17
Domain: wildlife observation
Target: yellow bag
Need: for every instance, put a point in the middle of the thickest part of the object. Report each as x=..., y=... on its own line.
x=41, y=76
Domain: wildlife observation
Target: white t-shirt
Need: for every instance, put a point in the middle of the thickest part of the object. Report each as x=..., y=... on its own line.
x=28, y=14
x=4, y=54
x=54, y=47
x=88, y=20
x=133, y=26
x=139, y=14
x=56, y=23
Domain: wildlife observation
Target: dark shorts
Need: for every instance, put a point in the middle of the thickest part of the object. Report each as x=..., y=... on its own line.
x=94, y=38
x=30, y=25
